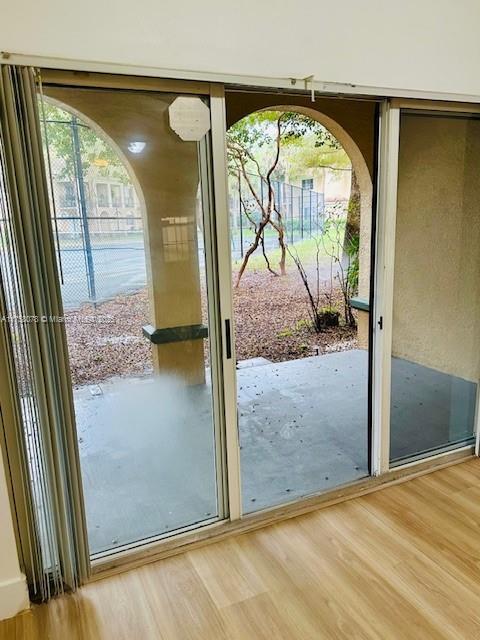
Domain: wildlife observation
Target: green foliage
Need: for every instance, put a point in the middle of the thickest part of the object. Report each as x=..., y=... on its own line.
x=303, y=324
x=352, y=246
x=94, y=151
x=327, y=316
x=305, y=144
x=328, y=310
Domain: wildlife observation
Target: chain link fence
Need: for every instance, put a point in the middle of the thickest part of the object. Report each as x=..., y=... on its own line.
x=96, y=213
x=303, y=212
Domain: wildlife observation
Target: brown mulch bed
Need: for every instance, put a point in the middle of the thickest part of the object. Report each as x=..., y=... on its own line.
x=271, y=317
x=107, y=340
x=272, y=321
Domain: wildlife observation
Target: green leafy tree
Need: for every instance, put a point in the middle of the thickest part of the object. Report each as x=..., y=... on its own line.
x=270, y=144
x=94, y=151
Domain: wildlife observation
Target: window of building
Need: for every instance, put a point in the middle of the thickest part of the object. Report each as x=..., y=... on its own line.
x=116, y=195
x=102, y=194
x=67, y=194
x=128, y=195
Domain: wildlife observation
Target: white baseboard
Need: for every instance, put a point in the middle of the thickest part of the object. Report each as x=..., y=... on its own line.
x=13, y=597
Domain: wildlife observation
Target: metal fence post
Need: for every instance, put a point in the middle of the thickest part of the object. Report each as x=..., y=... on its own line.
x=291, y=212
x=310, y=213
x=301, y=213
x=240, y=212
x=83, y=209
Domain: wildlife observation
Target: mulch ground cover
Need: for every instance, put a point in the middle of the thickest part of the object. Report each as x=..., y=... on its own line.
x=271, y=318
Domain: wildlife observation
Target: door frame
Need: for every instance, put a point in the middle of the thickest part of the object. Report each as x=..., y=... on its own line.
x=385, y=271
x=215, y=206
x=382, y=308
x=384, y=213
x=227, y=317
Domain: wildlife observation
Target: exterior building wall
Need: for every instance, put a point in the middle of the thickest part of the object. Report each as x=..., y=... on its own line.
x=436, y=307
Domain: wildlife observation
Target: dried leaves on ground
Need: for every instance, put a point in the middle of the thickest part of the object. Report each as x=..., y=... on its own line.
x=271, y=321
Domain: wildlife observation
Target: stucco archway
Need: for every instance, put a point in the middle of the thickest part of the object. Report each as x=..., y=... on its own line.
x=166, y=174
x=365, y=184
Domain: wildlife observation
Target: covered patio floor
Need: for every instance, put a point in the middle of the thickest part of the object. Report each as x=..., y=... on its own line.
x=147, y=444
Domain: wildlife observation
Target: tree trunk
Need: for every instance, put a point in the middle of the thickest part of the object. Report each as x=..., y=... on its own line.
x=352, y=228
x=251, y=249
x=281, y=242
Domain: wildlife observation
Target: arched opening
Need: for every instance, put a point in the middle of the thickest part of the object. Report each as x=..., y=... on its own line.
x=297, y=182
x=300, y=193
x=98, y=218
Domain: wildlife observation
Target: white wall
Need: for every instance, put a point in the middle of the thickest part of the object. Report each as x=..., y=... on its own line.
x=430, y=45
x=13, y=588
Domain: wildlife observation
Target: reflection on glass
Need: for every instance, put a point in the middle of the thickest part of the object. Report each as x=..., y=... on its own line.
x=130, y=251
x=436, y=320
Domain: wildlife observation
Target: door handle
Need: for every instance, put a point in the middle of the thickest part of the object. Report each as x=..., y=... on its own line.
x=228, y=339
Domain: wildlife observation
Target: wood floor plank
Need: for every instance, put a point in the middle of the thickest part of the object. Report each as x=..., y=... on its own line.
x=432, y=605
x=292, y=576
x=371, y=584
x=180, y=602
x=228, y=574
x=400, y=563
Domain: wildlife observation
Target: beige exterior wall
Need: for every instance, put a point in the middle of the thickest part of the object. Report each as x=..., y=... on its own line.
x=335, y=185
x=436, y=319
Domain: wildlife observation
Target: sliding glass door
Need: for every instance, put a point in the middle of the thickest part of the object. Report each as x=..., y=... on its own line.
x=436, y=293
x=132, y=220
x=199, y=396
x=300, y=192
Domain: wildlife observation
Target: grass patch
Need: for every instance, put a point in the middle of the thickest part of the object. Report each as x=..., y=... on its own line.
x=305, y=249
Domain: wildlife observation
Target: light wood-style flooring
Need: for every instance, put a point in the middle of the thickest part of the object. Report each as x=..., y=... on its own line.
x=403, y=562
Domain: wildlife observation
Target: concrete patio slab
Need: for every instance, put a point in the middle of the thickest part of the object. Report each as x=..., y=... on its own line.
x=147, y=444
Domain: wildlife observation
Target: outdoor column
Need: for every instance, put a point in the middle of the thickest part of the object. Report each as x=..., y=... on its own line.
x=166, y=176
x=174, y=278
x=361, y=302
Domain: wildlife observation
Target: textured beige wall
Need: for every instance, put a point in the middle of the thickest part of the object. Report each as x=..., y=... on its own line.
x=436, y=320
x=13, y=586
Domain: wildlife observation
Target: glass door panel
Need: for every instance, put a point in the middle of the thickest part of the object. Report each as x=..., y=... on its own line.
x=301, y=262
x=436, y=323
x=131, y=221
